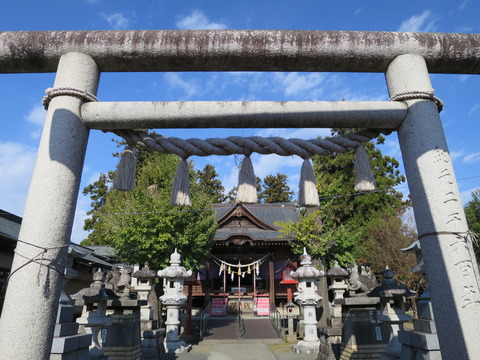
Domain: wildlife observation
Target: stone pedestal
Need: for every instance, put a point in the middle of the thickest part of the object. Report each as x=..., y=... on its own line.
x=67, y=343
x=392, y=305
x=153, y=344
x=422, y=342
x=364, y=336
x=122, y=337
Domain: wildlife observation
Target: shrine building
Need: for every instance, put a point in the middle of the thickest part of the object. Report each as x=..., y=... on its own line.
x=251, y=260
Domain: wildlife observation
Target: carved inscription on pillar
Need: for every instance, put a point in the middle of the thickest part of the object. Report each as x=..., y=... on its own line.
x=459, y=245
x=447, y=186
x=462, y=249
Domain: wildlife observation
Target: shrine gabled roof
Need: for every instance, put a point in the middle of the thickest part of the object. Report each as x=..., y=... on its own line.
x=265, y=213
x=262, y=216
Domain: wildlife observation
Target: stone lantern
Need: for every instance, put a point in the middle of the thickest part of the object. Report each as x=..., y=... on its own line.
x=308, y=299
x=144, y=286
x=338, y=276
x=94, y=314
x=392, y=306
x=173, y=297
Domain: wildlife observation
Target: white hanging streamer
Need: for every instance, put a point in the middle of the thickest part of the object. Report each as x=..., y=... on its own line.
x=364, y=179
x=126, y=170
x=307, y=194
x=181, y=186
x=247, y=183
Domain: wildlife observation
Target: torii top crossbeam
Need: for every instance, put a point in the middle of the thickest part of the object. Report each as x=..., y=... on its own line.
x=78, y=57
x=239, y=50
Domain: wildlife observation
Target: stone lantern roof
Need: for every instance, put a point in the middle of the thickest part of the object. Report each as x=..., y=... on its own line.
x=337, y=272
x=306, y=270
x=390, y=288
x=145, y=272
x=174, y=270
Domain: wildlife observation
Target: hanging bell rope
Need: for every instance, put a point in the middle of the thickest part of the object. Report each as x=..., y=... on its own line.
x=247, y=183
x=124, y=179
x=181, y=186
x=364, y=179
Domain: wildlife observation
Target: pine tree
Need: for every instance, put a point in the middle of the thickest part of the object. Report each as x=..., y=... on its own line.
x=97, y=191
x=210, y=184
x=275, y=189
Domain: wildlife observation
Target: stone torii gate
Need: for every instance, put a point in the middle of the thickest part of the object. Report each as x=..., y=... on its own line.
x=78, y=57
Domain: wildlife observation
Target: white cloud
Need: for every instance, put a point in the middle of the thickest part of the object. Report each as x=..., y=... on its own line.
x=16, y=166
x=198, y=21
x=467, y=195
x=465, y=29
x=190, y=88
x=36, y=116
x=464, y=77
x=83, y=205
x=423, y=22
x=463, y=5
x=474, y=109
x=454, y=155
x=294, y=83
x=471, y=158
x=117, y=20
x=301, y=133
x=271, y=164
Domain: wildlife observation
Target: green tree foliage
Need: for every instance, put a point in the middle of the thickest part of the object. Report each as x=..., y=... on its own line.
x=385, y=236
x=472, y=213
x=336, y=180
x=210, y=184
x=142, y=226
x=337, y=230
x=320, y=237
x=275, y=189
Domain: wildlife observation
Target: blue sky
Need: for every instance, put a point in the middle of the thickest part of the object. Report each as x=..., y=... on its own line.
x=21, y=113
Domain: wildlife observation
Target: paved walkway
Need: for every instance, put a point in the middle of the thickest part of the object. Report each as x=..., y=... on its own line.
x=260, y=342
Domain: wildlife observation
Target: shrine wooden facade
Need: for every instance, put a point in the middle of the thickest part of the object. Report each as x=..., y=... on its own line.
x=251, y=259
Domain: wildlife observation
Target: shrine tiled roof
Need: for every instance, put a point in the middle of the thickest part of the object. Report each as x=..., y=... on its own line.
x=262, y=219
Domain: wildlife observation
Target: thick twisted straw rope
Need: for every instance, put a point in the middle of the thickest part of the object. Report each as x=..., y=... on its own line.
x=415, y=95
x=241, y=145
x=82, y=94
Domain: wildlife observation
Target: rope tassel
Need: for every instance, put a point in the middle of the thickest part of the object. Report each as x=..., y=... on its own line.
x=365, y=181
x=247, y=183
x=181, y=186
x=125, y=174
x=307, y=192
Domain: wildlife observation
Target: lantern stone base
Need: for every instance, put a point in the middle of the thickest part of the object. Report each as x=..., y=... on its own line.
x=307, y=347
x=177, y=347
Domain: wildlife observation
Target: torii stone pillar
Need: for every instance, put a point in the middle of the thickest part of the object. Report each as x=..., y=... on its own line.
x=30, y=309
x=447, y=250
